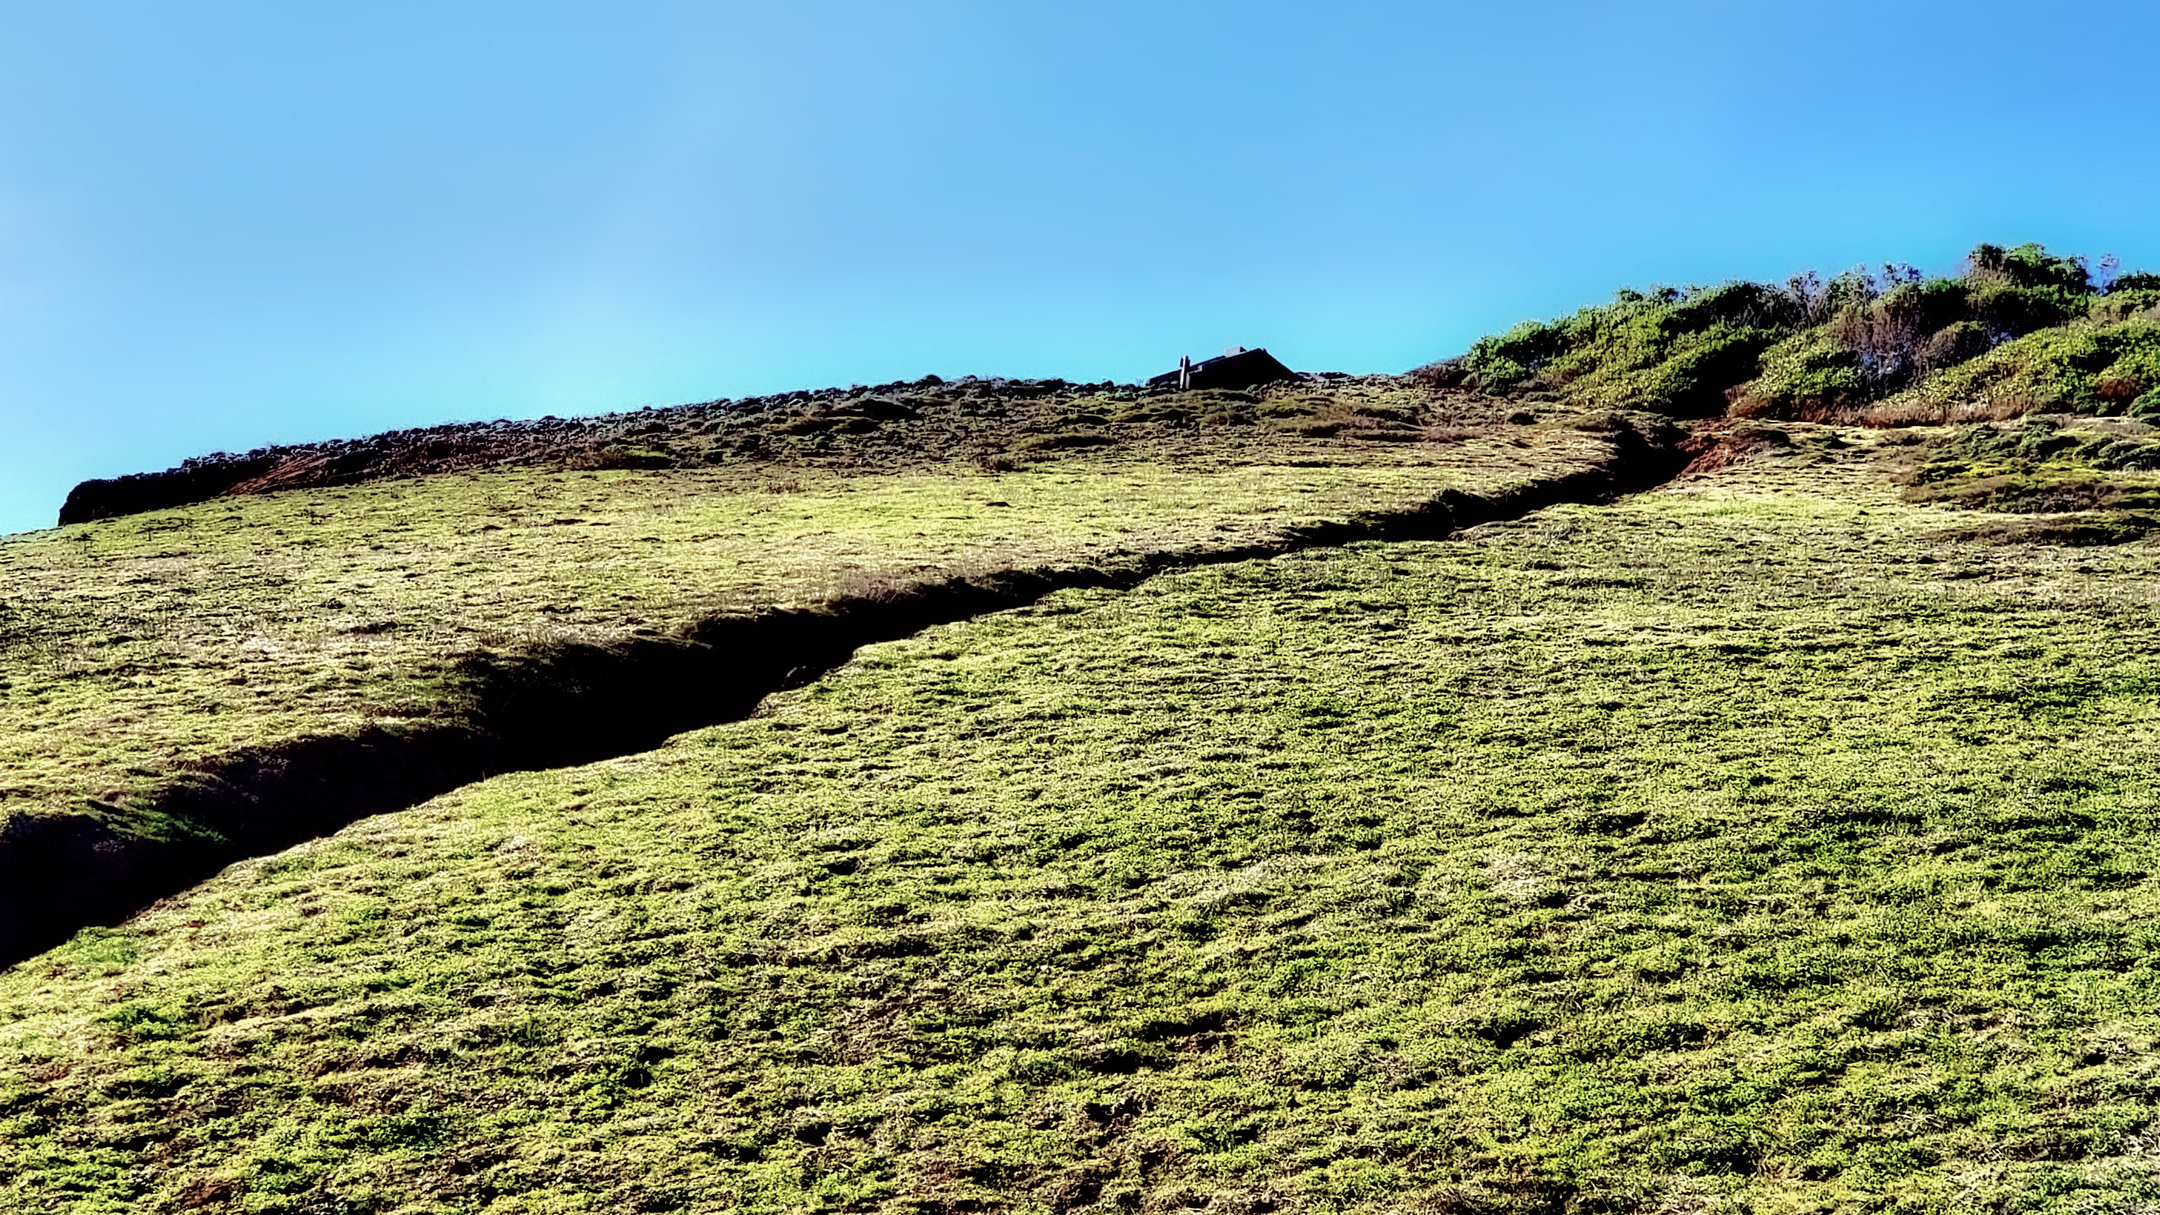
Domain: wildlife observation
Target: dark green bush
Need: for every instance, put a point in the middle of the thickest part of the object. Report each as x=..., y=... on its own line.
x=1693, y=381
x=1508, y=361
x=2028, y=265
x=1671, y=350
x=2008, y=310
x=2123, y=305
x=1953, y=344
x=2084, y=367
x=1805, y=376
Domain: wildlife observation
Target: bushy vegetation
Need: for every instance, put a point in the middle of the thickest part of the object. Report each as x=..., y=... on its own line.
x=2019, y=330
x=2095, y=368
x=1668, y=350
x=1745, y=847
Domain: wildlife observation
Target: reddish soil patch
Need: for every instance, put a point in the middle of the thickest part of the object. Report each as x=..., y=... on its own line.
x=1723, y=442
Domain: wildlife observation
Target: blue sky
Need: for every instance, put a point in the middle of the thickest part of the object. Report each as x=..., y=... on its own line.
x=230, y=224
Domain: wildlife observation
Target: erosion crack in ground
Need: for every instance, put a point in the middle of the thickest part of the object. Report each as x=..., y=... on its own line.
x=575, y=702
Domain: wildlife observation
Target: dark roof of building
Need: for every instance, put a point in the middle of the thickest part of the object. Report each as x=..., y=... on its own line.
x=1234, y=368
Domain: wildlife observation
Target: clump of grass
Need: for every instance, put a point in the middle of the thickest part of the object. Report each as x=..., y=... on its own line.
x=2084, y=529
x=2042, y=465
x=619, y=456
x=1062, y=441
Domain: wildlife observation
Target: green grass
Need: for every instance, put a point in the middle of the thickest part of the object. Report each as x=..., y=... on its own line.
x=1744, y=846
x=2043, y=465
x=134, y=650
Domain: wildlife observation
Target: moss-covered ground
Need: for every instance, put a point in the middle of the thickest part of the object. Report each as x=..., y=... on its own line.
x=1755, y=844
x=2054, y=464
x=135, y=650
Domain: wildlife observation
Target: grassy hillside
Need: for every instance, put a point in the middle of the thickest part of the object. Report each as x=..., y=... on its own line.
x=188, y=684
x=1324, y=798
x=1756, y=844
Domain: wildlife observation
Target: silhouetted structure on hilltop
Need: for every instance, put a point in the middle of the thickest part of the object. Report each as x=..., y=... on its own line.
x=1236, y=367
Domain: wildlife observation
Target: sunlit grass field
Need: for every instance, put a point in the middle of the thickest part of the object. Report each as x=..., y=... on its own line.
x=1751, y=845
x=133, y=650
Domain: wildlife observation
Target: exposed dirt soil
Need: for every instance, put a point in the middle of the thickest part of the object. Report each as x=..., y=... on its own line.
x=1723, y=442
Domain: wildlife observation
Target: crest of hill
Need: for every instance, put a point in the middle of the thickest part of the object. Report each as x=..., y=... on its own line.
x=992, y=422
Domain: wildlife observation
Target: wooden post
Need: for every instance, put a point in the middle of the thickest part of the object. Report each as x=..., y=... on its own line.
x=1184, y=372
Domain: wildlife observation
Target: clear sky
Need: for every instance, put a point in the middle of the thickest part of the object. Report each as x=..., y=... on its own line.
x=229, y=224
